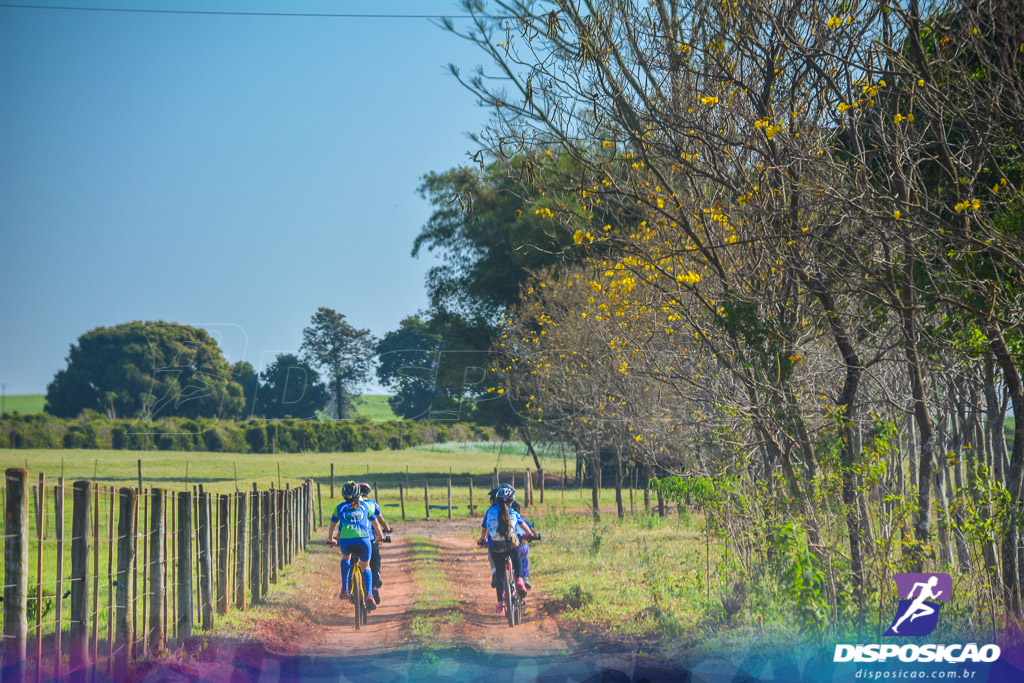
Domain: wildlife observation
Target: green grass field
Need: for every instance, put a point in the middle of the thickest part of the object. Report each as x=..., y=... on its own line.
x=24, y=404
x=373, y=406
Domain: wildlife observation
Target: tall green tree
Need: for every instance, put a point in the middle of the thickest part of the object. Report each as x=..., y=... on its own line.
x=436, y=366
x=344, y=353
x=291, y=387
x=247, y=378
x=146, y=369
x=486, y=228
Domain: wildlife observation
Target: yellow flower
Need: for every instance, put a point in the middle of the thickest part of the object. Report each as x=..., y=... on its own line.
x=920, y=82
x=896, y=214
x=834, y=22
x=709, y=100
x=898, y=119
x=606, y=144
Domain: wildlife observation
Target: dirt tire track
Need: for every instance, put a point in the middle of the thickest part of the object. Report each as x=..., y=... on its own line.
x=482, y=628
x=388, y=625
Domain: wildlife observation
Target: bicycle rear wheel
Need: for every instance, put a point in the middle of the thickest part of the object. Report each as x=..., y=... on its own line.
x=510, y=592
x=357, y=598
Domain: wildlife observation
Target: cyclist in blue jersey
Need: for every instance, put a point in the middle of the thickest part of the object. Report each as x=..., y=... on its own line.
x=364, y=493
x=357, y=526
x=499, y=535
x=521, y=530
x=525, y=532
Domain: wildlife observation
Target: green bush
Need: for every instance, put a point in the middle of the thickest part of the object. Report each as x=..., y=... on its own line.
x=227, y=436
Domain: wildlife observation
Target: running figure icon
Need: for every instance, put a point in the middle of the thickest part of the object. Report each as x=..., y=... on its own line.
x=918, y=608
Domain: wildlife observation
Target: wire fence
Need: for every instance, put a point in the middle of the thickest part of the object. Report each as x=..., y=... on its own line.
x=141, y=569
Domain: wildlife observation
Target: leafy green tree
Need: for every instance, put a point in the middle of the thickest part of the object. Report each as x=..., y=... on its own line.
x=491, y=231
x=146, y=369
x=490, y=238
x=247, y=378
x=436, y=367
x=343, y=352
x=291, y=387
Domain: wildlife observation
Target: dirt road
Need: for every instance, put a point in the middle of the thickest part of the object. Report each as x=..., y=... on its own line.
x=467, y=571
x=310, y=635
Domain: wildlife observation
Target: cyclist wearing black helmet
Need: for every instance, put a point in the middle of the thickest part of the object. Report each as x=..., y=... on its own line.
x=355, y=522
x=364, y=492
x=499, y=525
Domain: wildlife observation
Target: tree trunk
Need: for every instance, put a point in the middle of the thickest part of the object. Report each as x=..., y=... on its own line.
x=1012, y=380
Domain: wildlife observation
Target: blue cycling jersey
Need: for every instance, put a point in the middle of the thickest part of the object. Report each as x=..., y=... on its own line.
x=354, y=521
x=490, y=521
x=372, y=504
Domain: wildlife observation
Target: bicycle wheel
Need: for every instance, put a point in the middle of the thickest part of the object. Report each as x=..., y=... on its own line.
x=357, y=598
x=510, y=592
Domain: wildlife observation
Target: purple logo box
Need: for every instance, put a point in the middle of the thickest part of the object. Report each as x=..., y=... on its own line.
x=917, y=612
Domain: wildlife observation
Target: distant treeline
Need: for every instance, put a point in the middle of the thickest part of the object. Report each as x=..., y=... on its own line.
x=229, y=436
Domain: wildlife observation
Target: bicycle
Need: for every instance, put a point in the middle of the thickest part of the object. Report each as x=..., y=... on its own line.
x=356, y=587
x=515, y=604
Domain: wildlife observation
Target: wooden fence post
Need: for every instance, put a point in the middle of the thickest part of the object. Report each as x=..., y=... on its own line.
x=205, y=563
x=254, y=549
x=157, y=577
x=540, y=472
x=140, y=522
x=241, y=548
x=16, y=574
x=223, y=505
x=125, y=596
x=319, y=503
x=276, y=535
x=332, y=481
x=40, y=535
x=95, y=642
x=58, y=521
x=286, y=527
x=78, y=635
x=426, y=499
x=495, y=478
x=632, y=485
x=472, y=510
x=401, y=498
x=265, y=541
x=449, y=498
x=184, y=587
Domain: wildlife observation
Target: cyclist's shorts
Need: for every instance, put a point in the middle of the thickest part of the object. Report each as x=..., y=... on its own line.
x=359, y=546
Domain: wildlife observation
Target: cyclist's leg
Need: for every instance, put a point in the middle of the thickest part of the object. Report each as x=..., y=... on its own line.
x=517, y=561
x=361, y=548
x=498, y=560
x=346, y=565
x=375, y=564
x=517, y=568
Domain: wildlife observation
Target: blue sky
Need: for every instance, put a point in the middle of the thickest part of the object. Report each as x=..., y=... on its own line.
x=229, y=171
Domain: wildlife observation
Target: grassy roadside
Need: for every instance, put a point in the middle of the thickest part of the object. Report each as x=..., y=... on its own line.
x=435, y=604
x=644, y=579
